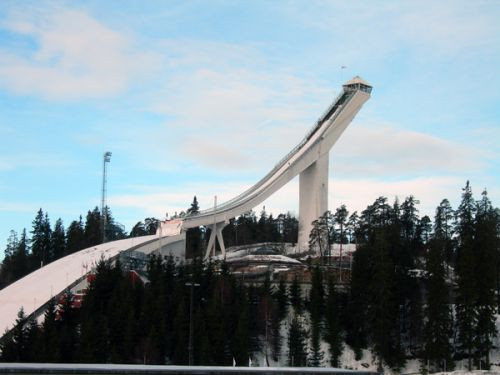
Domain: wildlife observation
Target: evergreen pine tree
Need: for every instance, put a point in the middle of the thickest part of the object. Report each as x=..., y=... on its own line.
x=356, y=316
x=383, y=310
x=319, y=236
x=75, y=239
x=296, y=295
x=485, y=248
x=316, y=305
x=138, y=230
x=12, y=244
x=58, y=240
x=352, y=226
x=443, y=228
x=466, y=312
x=240, y=347
x=40, y=240
x=333, y=334
x=50, y=334
x=21, y=257
x=193, y=235
x=68, y=330
x=151, y=224
x=7, y=273
x=315, y=353
x=281, y=297
x=438, y=316
x=31, y=351
x=297, y=345
x=93, y=229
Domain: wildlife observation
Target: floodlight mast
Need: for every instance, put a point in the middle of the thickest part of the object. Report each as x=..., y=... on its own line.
x=106, y=159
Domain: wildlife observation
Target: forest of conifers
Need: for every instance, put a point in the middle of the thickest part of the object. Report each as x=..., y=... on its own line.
x=419, y=289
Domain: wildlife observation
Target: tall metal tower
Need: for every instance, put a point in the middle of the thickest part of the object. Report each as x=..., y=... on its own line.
x=106, y=159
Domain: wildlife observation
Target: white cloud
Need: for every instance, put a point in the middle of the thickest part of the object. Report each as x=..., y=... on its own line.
x=33, y=160
x=5, y=166
x=208, y=152
x=75, y=56
x=156, y=201
x=387, y=150
x=228, y=108
x=371, y=29
x=449, y=27
x=355, y=193
x=15, y=207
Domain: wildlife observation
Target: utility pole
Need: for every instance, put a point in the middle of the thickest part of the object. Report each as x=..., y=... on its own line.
x=192, y=284
x=106, y=159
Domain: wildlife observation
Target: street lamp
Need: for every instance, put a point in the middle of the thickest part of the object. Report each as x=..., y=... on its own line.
x=190, y=345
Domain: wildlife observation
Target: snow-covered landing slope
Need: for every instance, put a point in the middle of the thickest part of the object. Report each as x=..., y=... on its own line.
x=34, y=290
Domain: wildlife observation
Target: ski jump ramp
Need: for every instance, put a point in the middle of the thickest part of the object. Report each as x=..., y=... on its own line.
x=309, y=160
x=33, y=291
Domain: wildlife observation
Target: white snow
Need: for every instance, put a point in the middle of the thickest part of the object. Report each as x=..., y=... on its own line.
x=36, y=289
x=263, y=259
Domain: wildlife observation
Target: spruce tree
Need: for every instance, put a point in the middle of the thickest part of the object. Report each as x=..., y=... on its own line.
x=438, y=315
x=31, y=348
x=316, y=295
x=264, y=227
x=356, y=316
x=333, y=334
x=58, y=240
x=443, y=229
x=20, y=337
x=40, y=239
x=21, y=257
x=7, y=273
x=486, y=248
x=297, y=344
x=75, y=239
x=383, y=309
x=296, y=295
x=93, y=229
x=50, y=334
x=316, y=355
x=316, y=307
x=193, y=235
x=466, y=312
x=240, y=345
x=281, y=297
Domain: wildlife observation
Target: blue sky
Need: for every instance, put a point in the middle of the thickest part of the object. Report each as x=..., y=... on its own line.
x=202, y=98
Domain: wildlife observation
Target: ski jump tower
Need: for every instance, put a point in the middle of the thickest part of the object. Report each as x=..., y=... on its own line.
x=309, y=160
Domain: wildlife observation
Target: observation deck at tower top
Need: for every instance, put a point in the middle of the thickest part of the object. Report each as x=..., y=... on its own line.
x=357, y=83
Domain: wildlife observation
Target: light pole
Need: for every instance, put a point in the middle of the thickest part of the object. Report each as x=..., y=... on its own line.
x=106, y=159
x=190, y=345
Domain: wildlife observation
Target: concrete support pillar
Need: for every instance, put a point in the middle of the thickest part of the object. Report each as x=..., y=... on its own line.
x=313, y=198
x=216, y=234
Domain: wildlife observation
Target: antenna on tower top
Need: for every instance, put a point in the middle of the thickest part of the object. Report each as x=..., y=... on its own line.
x=106, y=159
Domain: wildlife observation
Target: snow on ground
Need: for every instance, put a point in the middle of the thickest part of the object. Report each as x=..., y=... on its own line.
x=35, y=289
x=367, y=361
x=264, y=259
